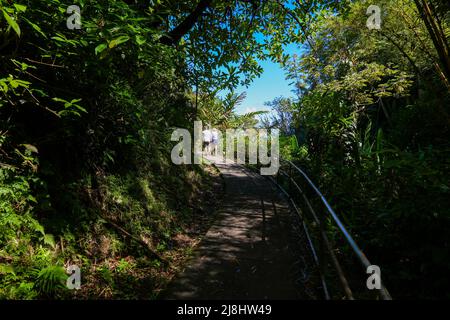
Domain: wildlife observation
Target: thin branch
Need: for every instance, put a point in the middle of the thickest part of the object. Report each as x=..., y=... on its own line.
x=38, y=103
x=45, y=64
x=402, y=50
x=174, y=36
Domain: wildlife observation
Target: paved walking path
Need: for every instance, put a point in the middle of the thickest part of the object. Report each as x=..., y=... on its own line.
x=244, y=254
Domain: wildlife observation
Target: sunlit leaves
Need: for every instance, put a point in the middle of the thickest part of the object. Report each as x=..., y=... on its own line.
x=11, y=21
x=244, y=33
x=70, y=107
x=20, y=7
x=51, y=279
x=118, y=41
x=100, y=48
x=35, y=27
x=140, y=40
x=11, y=84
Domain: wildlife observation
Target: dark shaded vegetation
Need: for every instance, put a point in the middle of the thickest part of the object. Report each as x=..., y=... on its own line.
x=86, y=175
x=371, y=127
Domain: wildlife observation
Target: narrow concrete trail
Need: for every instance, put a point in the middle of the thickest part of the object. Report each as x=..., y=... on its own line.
x=244, y=255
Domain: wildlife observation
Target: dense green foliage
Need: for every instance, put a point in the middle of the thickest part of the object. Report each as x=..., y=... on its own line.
x=85, y=122
x=85, y=145
x=372, y=119
x=86, y=116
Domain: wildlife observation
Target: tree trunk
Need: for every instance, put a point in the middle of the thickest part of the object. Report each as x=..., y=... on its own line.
x=438, y=37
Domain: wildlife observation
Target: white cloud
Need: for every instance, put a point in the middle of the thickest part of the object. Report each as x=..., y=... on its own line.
x=250, y=109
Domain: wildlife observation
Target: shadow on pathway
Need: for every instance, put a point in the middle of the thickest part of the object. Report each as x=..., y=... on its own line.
x=244, y=255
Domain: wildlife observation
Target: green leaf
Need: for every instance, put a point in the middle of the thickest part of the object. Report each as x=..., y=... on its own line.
x=30, y=148
x=39, y=228
x=80, y=108
x=100, y=48
x=11, y=22
x=118, y=41
x=51, y=279
x=140, y=40
x=20, y=7
x=5, y=269
x=35, y=27
x=58, y=99
x=32, y=199
x=50, y=240
x=3, y=85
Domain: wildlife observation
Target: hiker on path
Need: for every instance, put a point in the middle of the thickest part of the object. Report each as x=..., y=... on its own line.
x=207, y=138
x=214, y=141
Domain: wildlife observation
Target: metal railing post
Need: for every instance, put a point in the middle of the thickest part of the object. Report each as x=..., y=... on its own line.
x=322, y=254
x=325, y=246
x=290, y=180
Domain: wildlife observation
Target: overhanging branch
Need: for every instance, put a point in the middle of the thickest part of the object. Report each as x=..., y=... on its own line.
x=184, y=27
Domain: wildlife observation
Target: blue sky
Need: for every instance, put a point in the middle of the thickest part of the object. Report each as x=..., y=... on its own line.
x=270, y=85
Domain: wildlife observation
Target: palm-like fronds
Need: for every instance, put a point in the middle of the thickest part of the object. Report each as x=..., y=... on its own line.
x=221, y=114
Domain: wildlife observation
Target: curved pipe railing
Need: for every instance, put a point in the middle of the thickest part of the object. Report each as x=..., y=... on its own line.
x=324, y=241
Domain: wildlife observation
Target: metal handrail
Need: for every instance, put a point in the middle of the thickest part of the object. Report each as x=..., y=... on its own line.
x=324, y=239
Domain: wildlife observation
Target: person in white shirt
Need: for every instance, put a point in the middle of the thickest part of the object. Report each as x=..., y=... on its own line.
x=214, y=141
x=207, y=137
